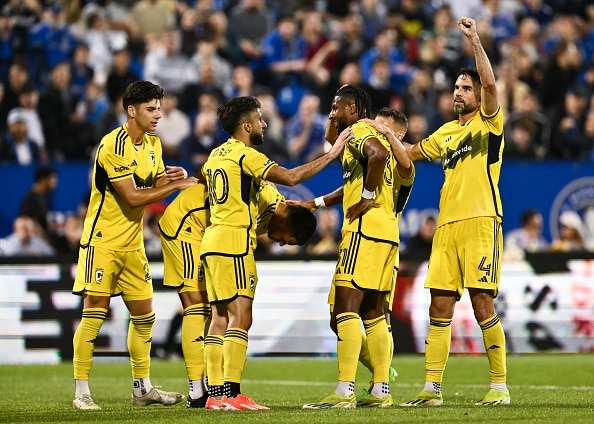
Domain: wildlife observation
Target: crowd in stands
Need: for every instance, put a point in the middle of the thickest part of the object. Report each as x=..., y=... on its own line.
x=65, y=63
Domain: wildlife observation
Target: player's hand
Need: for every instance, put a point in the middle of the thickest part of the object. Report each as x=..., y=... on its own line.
x=360, y=208
x=377, y=125
x=174, y=173
x=345, y=136
x=186, y=182
x=309, y=204
x=467, y=26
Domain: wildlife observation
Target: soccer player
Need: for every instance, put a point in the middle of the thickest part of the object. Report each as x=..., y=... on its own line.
x=393, y=124
x=182, y=228
x=467, y=245
x=127, y=175
x=233, y=172
x=367, y=253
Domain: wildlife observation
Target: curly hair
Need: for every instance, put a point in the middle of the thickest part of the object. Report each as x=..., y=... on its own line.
x=235, y=112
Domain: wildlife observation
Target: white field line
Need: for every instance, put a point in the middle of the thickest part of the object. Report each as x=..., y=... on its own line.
x=470, y=386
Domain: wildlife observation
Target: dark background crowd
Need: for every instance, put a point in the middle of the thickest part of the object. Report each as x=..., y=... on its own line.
x=64, y=66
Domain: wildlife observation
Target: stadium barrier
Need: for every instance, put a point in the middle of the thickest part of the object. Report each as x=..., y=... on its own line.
x=546, y=303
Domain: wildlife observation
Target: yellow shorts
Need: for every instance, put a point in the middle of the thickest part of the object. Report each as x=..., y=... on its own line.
x=364, y=264
x=466, y=254
x=230, y=276
x=389, y=295
x=105, y=272
x=182, y=265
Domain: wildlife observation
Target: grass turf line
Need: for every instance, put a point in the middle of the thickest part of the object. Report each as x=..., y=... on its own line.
x=545, y=388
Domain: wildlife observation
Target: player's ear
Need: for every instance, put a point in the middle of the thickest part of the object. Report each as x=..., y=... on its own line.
x=247, y=126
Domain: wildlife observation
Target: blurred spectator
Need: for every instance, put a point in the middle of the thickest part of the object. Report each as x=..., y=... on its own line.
x=385, y=47
x=284, y=54
x=523, y=49
x=571, y=234
x=68, y=135
x=440, y=43
x=373, y=13
x=121, y=74
x=28, y=103
x=207, y=55
x=173, y=127
x=80, y=68
x=538, y=10
x=18, y=76
x=305, y=130
x=520, y=143
x=24, y=14
x=250, y=22
x=206, y=84
x=500, y=19
x=114, y=116
x=417, y=128
x=569, y=140
x=25, y=240
x=527, y=238
x=563, y=67
x=275, y=146
x=37, y=202
x=102, y=41
x=349, y=74
x=15, y=144
x=419, y=245
x=50, y=42
x=352, y=42
x=216, y=31
x=320, y=51
x=529, y=108
x=8, y=43
x=512, y=90
x=379, y=87
x=165, y=65
x=420, y=95
x=93, y=104
x=243, y=83
x=150, y=20
x=442, y=113
x=326, y=239
x=205, y=136
x=66, y=240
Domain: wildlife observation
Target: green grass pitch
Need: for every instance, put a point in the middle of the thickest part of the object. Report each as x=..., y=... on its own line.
x=545, y=388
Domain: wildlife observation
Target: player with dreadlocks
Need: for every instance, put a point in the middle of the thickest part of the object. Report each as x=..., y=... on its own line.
x=367, y=253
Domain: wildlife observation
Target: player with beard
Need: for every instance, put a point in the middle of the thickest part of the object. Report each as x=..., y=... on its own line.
x=467, y=245
x=233, y=173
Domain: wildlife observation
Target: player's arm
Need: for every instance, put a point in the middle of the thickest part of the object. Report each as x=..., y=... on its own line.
x=413, y=151
x=281, y=175
x=403, y=162
x=327, y=200
x=140, y=197
x=377, y=155
x=489, y=100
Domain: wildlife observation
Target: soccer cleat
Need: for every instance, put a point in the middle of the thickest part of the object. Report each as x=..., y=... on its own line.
x=242, y=403
x=197, y=403
x=85, y=403
x=425, y=398
x=371, y=401
x=495, y=397
x=366, y=392
x=157, y=396
x=214, y=404
x=333, y=401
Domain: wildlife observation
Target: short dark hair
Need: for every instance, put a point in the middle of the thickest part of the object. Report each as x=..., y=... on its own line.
x=527, y=215
x=301, y=223
x=472, y=73
x=43, y=172
x=397, y=116
x=359, y=96
x=141, y=92
x=233, y=113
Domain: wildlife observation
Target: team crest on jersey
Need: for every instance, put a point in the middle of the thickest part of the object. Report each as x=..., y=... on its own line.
x=147, y=275
x=153, y=158
x=99, y=275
